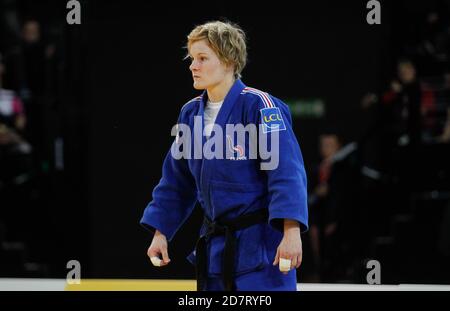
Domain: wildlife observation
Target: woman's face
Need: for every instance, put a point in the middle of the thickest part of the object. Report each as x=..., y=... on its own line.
x=207, y=69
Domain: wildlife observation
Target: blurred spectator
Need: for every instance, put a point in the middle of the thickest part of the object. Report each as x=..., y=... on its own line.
x=404, y=115
x=405, y=103
x=434, y=46
x=12, y=112
x=35, y=53
x=15, y=152
x=322, y=219
x=9, y=24
x=12, y=124
x=29, y=74
x=444, y=136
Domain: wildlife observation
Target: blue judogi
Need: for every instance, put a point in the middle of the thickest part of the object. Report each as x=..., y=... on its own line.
x=231, y=187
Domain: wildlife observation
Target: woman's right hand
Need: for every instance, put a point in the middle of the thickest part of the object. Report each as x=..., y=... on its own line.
x=158, y=248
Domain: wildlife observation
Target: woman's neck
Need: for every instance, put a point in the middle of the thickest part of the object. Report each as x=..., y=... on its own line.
x=218, y=92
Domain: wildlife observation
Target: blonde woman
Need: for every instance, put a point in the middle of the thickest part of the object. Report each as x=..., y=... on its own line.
x=253, y=217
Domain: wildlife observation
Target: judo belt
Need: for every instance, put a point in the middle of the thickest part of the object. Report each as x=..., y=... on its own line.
x=227, y=228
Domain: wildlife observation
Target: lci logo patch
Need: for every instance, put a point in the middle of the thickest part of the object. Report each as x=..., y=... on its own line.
x=272, y=120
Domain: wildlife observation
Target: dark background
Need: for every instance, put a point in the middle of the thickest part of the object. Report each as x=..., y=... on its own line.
x=122, y=81
x=139, y=82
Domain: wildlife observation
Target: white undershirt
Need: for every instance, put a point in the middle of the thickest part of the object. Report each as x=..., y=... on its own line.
x=210, y=115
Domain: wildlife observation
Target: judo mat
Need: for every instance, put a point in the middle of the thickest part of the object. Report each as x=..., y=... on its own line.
x=11, y=284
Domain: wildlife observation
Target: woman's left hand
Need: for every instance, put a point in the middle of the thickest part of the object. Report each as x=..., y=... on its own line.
x=291, y=245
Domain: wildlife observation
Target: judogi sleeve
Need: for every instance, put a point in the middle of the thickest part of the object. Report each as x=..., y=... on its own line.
x=174, y=197
x=286, y=178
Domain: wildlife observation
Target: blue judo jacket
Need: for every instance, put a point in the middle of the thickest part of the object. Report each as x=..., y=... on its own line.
x=232, y=186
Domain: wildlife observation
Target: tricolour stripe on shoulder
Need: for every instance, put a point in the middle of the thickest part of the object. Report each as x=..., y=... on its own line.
x=268, y=103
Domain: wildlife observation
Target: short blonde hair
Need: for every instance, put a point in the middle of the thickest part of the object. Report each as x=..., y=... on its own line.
x=227, y=40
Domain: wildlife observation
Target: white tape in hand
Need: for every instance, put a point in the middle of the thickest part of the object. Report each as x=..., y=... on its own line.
x=285, y=265
x=156, y=261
